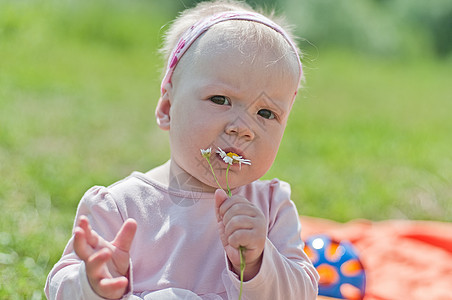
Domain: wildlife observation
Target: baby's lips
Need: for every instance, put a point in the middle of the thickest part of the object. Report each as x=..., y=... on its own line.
x=235, y=151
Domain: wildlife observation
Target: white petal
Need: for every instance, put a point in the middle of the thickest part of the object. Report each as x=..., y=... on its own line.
x=246, y=162
x=228, y=160
x=221, y=152
x=241, y=160
x=206, y=151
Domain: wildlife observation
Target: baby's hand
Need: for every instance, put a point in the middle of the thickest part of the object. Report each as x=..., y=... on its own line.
x=106, y=263
x=241, y=224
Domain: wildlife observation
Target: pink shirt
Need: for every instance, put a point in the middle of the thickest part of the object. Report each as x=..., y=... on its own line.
x=177, y=252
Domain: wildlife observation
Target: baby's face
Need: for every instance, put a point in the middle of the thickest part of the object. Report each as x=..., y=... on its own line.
x=233, y=99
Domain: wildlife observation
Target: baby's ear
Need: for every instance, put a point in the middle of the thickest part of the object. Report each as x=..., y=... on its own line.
x=162, y=112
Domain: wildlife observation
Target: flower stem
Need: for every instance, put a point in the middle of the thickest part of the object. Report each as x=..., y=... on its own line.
x=213, y=173
x=227, y=181
x=242, y=269
x=241, y=248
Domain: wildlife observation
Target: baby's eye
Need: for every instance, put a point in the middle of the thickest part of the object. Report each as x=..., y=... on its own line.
x=266, y=114
x=220, y=100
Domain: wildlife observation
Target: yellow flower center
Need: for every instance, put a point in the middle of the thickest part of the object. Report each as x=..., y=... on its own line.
x=232, y=155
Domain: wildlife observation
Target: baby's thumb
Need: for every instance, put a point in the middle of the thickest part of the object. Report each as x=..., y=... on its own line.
x=220, y=197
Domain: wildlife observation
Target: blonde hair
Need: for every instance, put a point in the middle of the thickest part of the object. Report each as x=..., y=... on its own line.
x=238, y=33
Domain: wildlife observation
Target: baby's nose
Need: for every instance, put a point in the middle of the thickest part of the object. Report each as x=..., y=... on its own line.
x=240, y=127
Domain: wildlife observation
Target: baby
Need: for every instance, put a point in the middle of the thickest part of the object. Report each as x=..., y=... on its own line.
x=231, y=79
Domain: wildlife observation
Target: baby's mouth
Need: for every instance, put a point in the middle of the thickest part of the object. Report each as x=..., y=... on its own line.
x=232, y=156
x=233, y=151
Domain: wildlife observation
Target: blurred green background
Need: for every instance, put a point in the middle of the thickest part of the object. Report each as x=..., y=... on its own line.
x=369, y=136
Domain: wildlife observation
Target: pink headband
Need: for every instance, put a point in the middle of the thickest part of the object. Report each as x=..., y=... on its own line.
x=189, y=36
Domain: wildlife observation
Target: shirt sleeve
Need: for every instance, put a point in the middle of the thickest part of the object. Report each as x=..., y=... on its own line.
x=67, y=279
x=286, y=272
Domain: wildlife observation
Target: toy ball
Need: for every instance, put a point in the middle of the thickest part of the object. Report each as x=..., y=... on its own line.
x=341, y=273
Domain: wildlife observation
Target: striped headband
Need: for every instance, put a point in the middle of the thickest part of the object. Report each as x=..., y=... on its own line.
x=197, y=29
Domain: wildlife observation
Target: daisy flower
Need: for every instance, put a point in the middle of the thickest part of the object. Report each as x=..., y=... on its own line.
x=206, y=153
x=227, y=159
x=231, y=158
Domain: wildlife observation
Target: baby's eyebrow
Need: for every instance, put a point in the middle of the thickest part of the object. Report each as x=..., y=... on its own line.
x=271, y=106
x=221, y=88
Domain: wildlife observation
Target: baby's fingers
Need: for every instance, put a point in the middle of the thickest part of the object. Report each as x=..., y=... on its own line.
x=96, y=265
x=113, y=288
x=91, y=236
x=100, y=279
x=81, y=247
x=124, y=238
x=239, y=222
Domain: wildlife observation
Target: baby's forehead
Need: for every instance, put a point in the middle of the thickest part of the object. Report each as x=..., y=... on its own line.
x=248, y=36
x=251, y=41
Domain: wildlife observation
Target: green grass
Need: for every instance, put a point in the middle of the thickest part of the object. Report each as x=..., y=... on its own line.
x=371, y=139
x=368, y=138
